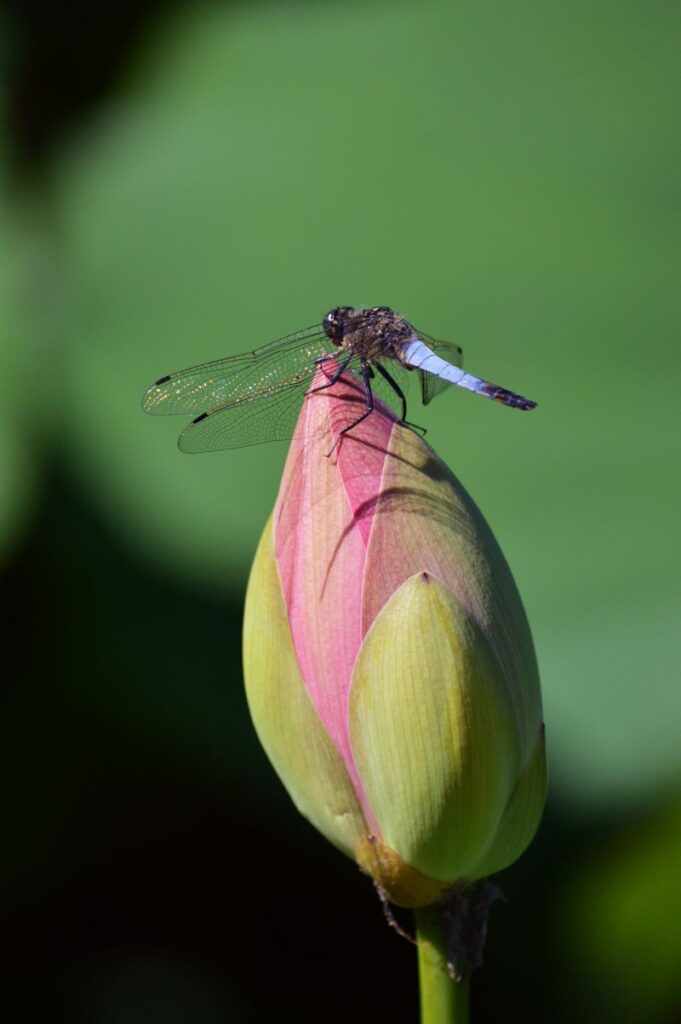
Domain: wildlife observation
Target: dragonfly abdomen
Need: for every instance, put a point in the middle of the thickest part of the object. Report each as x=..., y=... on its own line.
x=417, y=355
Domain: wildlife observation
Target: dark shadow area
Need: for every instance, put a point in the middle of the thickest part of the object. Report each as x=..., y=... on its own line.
x=61, y=62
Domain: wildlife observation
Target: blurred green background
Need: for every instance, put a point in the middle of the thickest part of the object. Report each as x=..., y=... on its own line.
x=179, y=183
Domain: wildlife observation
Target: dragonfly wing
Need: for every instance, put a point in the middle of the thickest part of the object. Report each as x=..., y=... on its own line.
x=431, y=385
x=269, y=416
x=235, y=379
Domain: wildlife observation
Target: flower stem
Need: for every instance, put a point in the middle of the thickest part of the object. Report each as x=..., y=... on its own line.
x=443, y=999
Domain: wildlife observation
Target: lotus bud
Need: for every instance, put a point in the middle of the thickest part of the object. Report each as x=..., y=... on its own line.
x=389, y=665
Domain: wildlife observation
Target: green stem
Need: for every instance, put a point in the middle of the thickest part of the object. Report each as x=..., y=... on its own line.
x=443, y=1000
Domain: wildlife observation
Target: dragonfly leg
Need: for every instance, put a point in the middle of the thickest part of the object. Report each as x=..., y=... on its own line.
x=403, y=398
x=367, y=374
x=336, y=375
x=396, y=388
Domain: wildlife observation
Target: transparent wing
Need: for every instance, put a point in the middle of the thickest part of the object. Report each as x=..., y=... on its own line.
x=241, y=378
x=430, y=384
x=269, y=414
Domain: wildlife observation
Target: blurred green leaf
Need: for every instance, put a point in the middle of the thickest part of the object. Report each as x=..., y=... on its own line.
x=622, y=919
x=22, y=380
x=503, y=178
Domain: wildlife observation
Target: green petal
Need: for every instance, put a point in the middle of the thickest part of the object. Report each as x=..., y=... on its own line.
x=521, y=817
x=292, y=735
x=426, y=521
x=433, y=731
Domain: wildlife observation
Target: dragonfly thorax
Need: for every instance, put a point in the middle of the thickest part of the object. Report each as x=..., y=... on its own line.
x=369, y=333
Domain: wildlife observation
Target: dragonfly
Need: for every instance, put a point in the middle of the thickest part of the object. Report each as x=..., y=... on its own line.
x=256, y=396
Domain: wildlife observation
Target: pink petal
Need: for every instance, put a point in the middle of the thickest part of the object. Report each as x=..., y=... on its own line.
x=323, y=521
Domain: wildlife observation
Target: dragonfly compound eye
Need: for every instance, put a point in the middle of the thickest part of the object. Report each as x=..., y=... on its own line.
x=332, y=327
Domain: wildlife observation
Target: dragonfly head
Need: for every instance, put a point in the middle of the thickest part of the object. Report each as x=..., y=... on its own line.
x=335, y=323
